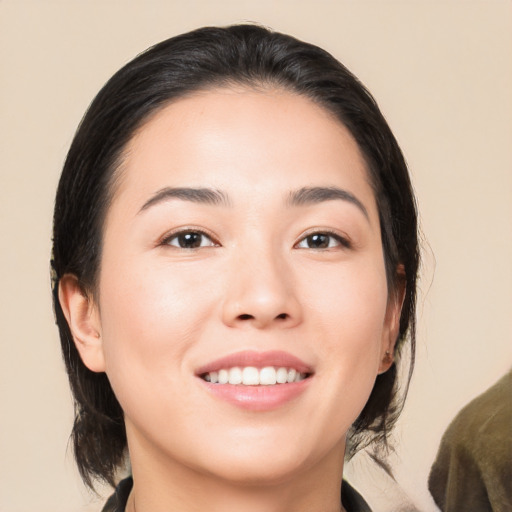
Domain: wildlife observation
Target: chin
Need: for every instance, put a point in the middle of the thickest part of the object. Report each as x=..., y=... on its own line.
x=260, y=472
x=262, y=464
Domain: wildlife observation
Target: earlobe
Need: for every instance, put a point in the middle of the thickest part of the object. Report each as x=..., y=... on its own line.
x=386, y=361
x=84, y=323
x=392, y=328
x=387, y=356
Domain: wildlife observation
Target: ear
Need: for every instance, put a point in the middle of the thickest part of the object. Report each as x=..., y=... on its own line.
x=392, y=321
x=84, y=322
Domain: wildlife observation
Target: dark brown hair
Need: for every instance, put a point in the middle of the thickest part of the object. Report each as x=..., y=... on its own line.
x=209, y=57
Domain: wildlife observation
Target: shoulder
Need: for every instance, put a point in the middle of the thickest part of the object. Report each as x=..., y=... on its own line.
x=483, y=426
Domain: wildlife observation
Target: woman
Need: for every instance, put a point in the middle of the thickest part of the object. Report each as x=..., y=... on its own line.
x=235, y=259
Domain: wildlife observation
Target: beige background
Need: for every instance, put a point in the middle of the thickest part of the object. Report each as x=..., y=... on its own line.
x=442, y=73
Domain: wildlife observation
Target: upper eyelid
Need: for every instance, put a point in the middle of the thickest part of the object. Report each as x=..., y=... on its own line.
x=186, y=229
x=325, y=231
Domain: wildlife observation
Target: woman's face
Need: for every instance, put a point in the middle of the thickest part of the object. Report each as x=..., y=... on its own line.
x=243, y=234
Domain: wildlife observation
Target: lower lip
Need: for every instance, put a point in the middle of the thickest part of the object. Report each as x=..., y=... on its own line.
x=258, y=398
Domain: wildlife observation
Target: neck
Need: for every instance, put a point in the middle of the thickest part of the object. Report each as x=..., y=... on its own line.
x=255, y=500
x=163, y=485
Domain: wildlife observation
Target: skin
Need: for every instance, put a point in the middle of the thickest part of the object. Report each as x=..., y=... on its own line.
x=163, y=311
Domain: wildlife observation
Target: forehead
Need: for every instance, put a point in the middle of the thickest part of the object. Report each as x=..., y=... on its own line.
x=246, y=139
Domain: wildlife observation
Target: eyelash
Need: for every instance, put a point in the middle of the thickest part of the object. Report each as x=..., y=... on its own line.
x=341, y=241
x=187, y=231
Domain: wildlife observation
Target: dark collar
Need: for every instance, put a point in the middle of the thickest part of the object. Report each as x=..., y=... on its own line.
x=351, y=500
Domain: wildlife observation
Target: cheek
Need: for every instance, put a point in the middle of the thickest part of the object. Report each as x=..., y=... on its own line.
x=350, y=304
x=150, y=317
x=350, y=311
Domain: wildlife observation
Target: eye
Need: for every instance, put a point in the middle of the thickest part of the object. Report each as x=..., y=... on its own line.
x=189, y=240
x=323, y=240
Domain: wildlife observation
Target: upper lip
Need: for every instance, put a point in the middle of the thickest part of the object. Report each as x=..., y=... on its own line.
x=245, y=358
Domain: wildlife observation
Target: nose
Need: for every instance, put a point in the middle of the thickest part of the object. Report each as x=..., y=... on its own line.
x=262, y=292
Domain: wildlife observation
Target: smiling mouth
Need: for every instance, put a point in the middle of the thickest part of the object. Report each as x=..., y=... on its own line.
x=252, y=376
x=256, y=381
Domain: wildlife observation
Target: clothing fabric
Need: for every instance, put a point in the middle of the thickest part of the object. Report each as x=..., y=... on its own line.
x=473, y=468
x=351, y=500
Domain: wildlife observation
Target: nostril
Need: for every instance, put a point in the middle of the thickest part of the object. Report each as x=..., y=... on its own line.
x=247, y=316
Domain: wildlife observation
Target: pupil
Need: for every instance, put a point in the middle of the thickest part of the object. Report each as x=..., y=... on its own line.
x=318, y=241
x=190, y=240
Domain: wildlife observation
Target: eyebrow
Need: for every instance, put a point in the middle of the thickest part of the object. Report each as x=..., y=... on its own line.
x=302, y=197
x=313, y=195
x=195, y=195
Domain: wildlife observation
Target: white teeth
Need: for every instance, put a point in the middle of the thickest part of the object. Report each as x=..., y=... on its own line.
x=252, y=376
x=281, y=375
x=235, y=376
x=268, y=376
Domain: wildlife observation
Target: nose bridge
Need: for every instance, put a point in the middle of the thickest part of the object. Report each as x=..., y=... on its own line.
x=261, y=291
